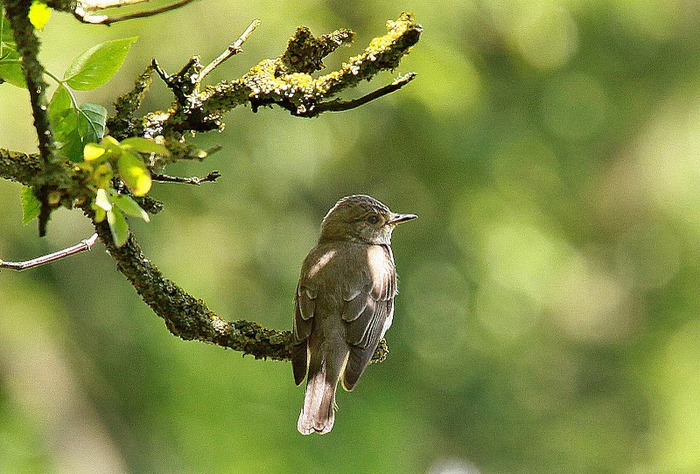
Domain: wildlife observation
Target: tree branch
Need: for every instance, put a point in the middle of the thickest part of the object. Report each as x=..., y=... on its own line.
x=233, y=49
x=84, y=11
x=185, y=316
x=196, y=180
x=285, y=81
x=28, y=48
x=189, y=318
x=82, y=246
x=339, y=105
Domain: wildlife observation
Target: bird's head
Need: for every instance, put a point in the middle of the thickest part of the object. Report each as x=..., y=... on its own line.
x=361, y=218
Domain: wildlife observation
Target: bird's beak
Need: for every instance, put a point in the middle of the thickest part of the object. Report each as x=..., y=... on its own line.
x=399, y=218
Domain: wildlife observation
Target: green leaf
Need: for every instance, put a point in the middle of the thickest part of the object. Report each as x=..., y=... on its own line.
x=11, y=72
x=92, y=152
x=31, y=206
x=39, y=14
x=8, y=46
x=129, y=207
x=60, y=102
x=68, y=139
x=10, y=64
x=102, y=200
x=91, y=123
x=71, y=146
x=72, y=128
x=100, y=214
x=98, y=65
x=103, y=175
x=134, y=173
x=118, y=226
x=144, y=145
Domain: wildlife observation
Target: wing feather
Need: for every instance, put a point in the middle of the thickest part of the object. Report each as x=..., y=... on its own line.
x=376, y=302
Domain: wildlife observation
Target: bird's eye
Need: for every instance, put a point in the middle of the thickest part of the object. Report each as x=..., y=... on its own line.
x=373, y=219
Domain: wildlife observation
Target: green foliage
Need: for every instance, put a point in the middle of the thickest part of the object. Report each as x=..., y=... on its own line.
x=73, y=126
x=97, y=65
x=77, y=125
x=118, y=226
x=10, y=65
x=111, y=159
x=30, y=205
x=10, y=60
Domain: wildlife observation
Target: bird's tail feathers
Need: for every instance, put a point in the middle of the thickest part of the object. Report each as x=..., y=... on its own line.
x=318, y=413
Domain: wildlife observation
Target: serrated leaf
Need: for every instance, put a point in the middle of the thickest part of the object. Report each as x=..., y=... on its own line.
x=144, y=145
x=129, y=207
x=31, y=206
x=134, y=173
x=91, y=122
x=39, y=14
x=98, y=64
x=118, y=226
x=11, y=72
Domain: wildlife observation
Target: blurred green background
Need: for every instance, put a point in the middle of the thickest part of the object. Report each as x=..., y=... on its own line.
x=548, y=320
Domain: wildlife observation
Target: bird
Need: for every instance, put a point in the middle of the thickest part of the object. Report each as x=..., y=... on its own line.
x=344, y=304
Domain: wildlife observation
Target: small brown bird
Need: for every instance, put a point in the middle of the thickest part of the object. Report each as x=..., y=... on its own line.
x=344, y=303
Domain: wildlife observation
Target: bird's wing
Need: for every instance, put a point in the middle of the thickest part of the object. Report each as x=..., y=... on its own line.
x=304, y=306
x=367, y=308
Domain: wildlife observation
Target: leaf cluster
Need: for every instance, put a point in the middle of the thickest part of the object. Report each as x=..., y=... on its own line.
x=79, y=132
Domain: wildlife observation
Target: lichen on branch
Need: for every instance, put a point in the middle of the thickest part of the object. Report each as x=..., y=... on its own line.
x=286, y=81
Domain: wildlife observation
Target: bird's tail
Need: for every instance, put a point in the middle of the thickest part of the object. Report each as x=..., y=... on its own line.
x=318, y=413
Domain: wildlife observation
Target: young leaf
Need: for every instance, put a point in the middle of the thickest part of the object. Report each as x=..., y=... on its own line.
x=101, y=200
x=39, y=14
x=100, y=213
x=144, y=145
x=118, y=226
x=97, y=65
x=102, y=175
x=31, y=206
x=129, y=207
x=92, y=151
x=134, y=173
x=91, y=122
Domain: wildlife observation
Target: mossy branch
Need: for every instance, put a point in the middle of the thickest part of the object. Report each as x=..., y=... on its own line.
x=28, y=48
x=286, y=81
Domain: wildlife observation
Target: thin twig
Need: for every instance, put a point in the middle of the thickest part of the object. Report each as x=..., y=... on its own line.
x=84, y=245
x=340, y=105
x=196, y=180
x=85, y=16
x=95, y=5
x=233, y=49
